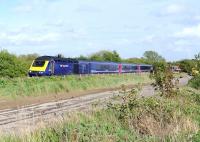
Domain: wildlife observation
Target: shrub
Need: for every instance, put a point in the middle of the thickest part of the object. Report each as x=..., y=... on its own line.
x=10, y=66
x=187, y=65
x=136, y=113
x=164, y=79
x=154, y=117
x=195, y=82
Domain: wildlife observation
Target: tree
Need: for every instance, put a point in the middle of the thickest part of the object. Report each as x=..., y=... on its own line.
x=153, y=57
x=116, y=56
x=105, y=56
x=136, y=60
x=81, y=57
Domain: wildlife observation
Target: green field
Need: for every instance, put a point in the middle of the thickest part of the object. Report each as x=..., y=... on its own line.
x=19, y=87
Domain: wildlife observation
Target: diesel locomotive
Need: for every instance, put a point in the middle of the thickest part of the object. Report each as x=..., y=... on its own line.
x=50, y=65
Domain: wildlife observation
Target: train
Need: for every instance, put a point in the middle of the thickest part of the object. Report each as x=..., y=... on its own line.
x=58, y=66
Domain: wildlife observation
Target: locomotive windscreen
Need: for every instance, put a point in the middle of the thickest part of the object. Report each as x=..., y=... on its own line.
x=38, y=63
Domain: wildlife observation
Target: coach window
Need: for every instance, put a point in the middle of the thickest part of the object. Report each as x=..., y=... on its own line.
x=145, y=68
x=134, y=67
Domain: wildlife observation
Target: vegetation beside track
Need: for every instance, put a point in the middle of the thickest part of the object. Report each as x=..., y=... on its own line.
x=19, y=87
x=151, y=119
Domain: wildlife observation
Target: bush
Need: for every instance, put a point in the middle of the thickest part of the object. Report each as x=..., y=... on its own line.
x=195, y=82
x=10, y=65
x=187, y=65
x=164, y=79
x=135, y=113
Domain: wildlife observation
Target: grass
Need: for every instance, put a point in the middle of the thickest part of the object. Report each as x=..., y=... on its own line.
x=152, y=119
x=54, y=85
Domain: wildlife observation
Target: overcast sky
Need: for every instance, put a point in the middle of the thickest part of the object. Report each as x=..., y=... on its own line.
x=74, y=27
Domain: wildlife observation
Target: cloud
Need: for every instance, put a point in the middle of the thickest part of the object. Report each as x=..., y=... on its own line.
x=12, y=38
x=193, y=31
x=56, y=24
x=53, y=0
x=172, y=9
x=197, y=17
x=42, y=36
x=149, y=39
x=29, y=6
x=23, y=8
x=89, y=9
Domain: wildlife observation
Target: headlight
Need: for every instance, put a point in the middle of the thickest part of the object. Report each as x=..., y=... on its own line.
x=30, y=71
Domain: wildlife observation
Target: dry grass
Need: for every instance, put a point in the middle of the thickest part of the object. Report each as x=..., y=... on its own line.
x=147, y=125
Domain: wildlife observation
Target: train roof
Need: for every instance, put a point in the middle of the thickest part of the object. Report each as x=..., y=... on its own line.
x=89, y=61
x=73, y=60
x=49, y=58
x=145, y=65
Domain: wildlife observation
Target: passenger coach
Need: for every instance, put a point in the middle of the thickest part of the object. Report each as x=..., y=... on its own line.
x=49, y=65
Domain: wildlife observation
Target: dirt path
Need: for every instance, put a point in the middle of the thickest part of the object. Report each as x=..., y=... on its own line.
x=28, y=118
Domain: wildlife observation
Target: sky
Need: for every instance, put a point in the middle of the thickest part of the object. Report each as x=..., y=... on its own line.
x=82, y=27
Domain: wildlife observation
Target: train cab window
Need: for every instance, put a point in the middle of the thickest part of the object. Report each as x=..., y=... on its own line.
x=38, y=63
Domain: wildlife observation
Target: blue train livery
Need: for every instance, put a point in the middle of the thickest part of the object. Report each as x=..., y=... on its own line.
x=49, y=65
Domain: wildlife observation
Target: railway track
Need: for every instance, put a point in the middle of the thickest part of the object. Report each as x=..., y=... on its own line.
x=30, y=116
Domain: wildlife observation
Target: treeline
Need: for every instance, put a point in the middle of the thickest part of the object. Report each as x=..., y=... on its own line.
x=148, y=57
x=12, y=65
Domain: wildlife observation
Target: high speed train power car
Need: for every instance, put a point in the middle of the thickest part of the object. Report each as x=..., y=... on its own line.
x=49, y=66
